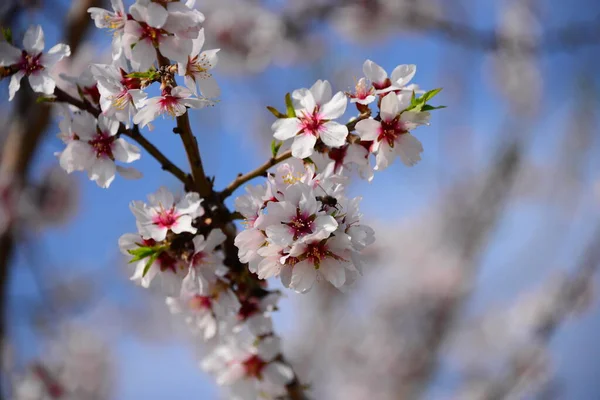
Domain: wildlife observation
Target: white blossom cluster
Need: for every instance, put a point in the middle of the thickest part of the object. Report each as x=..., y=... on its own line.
x=186, y=266
x=301, y=227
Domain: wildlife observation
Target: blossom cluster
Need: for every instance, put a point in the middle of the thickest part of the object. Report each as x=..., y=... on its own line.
x=301, y=227
x=312, y=114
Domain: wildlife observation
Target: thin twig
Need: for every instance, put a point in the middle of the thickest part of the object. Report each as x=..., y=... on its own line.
x=260, y=171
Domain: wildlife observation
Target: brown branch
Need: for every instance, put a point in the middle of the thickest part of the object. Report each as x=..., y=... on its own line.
x=201, y=183
x=260, y=171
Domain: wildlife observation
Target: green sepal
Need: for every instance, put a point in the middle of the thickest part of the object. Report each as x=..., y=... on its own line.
x=45, y=99
x=142, y=252
x=289, y=106
x=276, y=112
x=150, y=261
x=275, y=146
x=7, y=33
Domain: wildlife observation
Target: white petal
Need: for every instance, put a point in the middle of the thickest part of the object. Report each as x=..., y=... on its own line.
x=9, y=55
x=175, y=48
x=303, y=277
x=286, y=275
x=334, y=134
x=278, y=373
x=390, y=107
x=385, y=156
x=403, y=74
x=286, y=128
x=321, y=92
x=183, y=224
x=269, y=348
x=157, y=15
x=303, y=145
x=215, y=238
x=143, y=55
x=125, y=152
x=33, y=42
x=374, y=72
x=103, y=172
x=129, y=172
x=280, y=235
x=209, y=87
x=15, y=84
x=336, y=107
x=333, y=271
x=77, y=156
x=41, y=82
x=55, y=54
x=409, y=148
x=368, y=129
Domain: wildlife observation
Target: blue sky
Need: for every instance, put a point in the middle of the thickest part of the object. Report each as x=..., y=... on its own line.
x=228, y=146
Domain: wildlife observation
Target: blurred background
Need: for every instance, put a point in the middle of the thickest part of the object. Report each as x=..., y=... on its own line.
x=481, y=284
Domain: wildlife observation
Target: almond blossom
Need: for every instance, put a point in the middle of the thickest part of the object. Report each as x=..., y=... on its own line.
x=164, y=214
x=93, y=146
x=196, y=70
x=391, y=136
x=114, y=21
x=172, y=101
x=32, y=62
x=401, y=76
x=315, y=110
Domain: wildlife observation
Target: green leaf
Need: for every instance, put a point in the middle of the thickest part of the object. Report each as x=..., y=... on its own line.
x=427, y=107
x=289, y=106
x=276, y=112
x=275, y=146
x=7, y=33
x=142, y=252
x=150, y=262
x=429, y=95
x=45, y=99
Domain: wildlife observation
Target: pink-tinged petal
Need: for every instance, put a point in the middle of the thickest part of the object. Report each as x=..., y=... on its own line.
x=390, y=107
x=9, y=55
x=306, y=100
x=103, y=172
x=334, y=134
x=129, y=172
x=77, y=156
x=303, y=146
x=55, y=54
x=143, y=55
x=15, y=84
x=269, y=348
x=183, y=224
x=175, y=48
x=156, y=15
x=403, y=74
x=209, y=87
x=321, y=91
x=125, y=152
x=286, y=128
x=304, y=276
x=41, y=82
x=278, y=373
x=232, y=374
x=286, y=275
x=268, y=268
x=409, y=148
x=33, y=42
x=280, y=235
x=333, y=271
x=334, y=108
x=374, y=72
x=385, y=156
x=368, y=129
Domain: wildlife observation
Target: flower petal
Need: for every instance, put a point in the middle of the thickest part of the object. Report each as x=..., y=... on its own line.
x=303, y=277
x=374, y=72
x=336, y=107
x=286, y=128
x=303, y=146
x=41, y=82
x=33, y=42
x=334, y=134
x=409, y=148
x=368, y=129
x=9, y=55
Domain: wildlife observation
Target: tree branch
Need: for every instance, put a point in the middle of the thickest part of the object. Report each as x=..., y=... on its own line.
x=260, y=171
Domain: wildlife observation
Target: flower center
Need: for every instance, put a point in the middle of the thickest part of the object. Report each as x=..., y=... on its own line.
x=198, y=66
x=150, y=33
x=114, y=21
x=301, y=224
x=30, y=64
x=254, y=366
x=169, y=104
x=311, y=123
x=390, y=130
x=198, y=303
x=121, y=99
x=166, y=218
x=102, y=144
x=383, y=85
x=167, y=262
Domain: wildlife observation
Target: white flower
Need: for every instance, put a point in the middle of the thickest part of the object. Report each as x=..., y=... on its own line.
x=120, y=96
x=164, y=214
x=205, y=262
x=391, y=135
x=172, y=102
x=255, y=314
x=248, y=369
x=93, y=146
x=315, y=110
x=196, y=70
x=364, y=93
x=401, y=75
x=115, y=21
x=86, y=85
x=32, y=62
